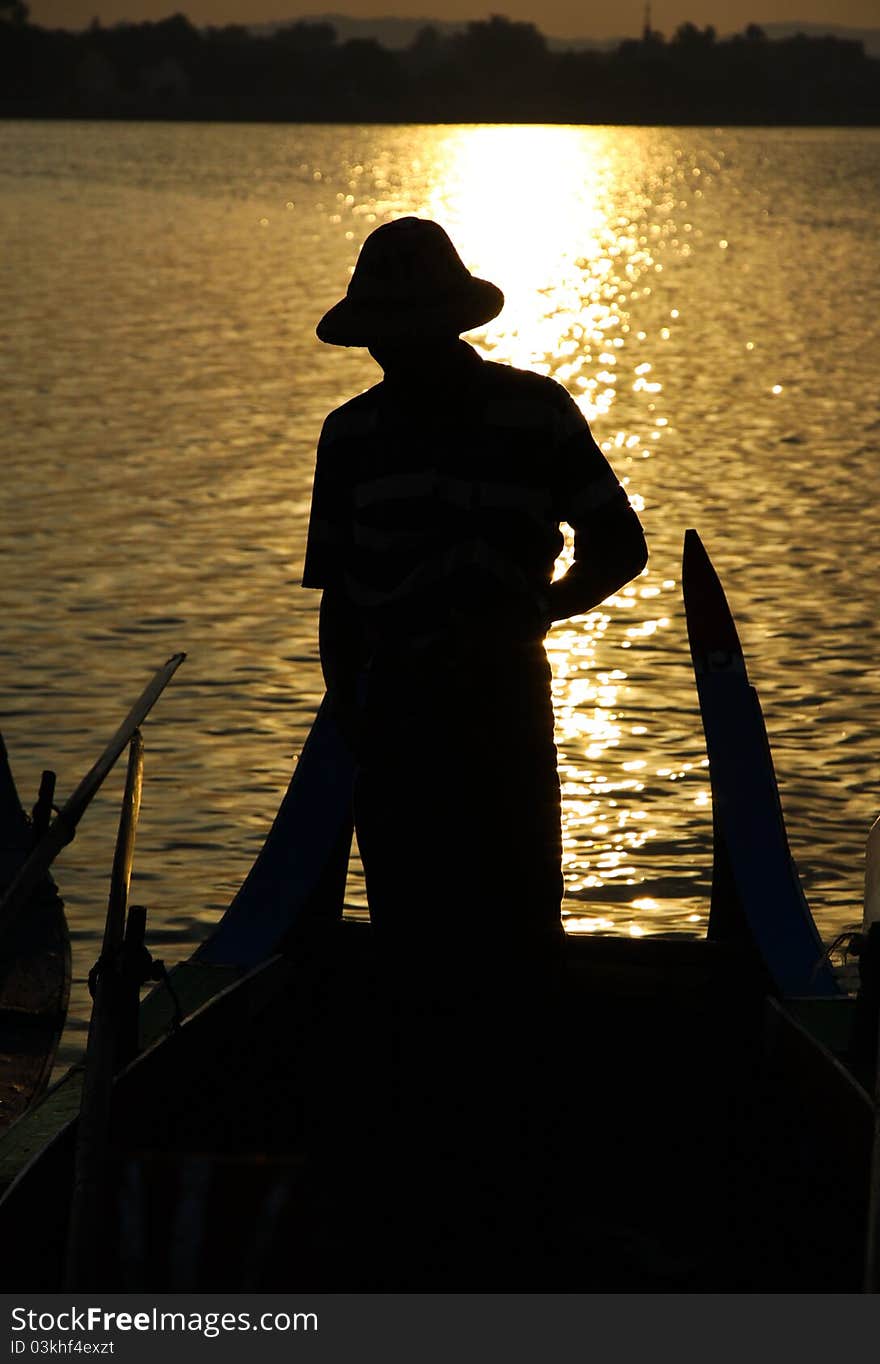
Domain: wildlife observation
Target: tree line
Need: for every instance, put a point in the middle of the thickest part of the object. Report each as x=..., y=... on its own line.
x=493, y=70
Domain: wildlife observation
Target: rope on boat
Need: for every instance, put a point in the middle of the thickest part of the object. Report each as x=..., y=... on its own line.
x=141, y=971
x=850, y=941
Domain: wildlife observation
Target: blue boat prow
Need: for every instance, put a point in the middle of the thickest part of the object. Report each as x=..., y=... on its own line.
x=757, y=898
x=299, y=874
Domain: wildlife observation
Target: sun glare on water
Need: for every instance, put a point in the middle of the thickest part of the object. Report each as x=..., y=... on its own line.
x=525, y=238
x=553, y=215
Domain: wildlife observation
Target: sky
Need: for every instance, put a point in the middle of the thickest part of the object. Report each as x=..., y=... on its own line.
x=562, y=18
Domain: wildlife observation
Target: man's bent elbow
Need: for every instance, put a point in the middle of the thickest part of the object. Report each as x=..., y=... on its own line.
x=631, y=551
x=640, y=555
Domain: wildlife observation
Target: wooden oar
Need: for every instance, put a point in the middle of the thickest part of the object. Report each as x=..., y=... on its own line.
x=63, y=828
x=90, y=1184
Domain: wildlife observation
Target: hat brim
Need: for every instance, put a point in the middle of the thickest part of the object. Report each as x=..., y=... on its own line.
x=351, y=323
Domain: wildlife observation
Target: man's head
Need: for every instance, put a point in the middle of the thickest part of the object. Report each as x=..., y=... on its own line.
x=409, y=285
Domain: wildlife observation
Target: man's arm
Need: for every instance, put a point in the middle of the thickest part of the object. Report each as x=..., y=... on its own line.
x=341, y=640
x=609, y=551
x=609, y=543
x=344, y=653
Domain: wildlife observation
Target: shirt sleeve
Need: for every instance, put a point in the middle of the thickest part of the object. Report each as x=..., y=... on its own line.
x=327, y=535
x=609, y=543
x=585, y=487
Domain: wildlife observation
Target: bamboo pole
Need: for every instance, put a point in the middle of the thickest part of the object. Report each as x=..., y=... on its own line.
x=63, y=828
x=90, y=1181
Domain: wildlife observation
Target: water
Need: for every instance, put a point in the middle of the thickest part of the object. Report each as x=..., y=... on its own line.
x=711, y=297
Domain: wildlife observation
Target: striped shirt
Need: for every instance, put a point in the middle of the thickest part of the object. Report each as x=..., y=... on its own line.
x=442, y=505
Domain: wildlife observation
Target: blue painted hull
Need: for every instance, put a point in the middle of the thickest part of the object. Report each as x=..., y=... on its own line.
x=757, y=898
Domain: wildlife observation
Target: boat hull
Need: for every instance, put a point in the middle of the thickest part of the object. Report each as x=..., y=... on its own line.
x=645, y=1139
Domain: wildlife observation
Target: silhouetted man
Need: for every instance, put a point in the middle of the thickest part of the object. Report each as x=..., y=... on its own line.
x=434, y=531
x=435, y=527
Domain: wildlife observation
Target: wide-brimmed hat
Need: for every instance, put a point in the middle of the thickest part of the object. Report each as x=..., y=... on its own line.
x=409, y=283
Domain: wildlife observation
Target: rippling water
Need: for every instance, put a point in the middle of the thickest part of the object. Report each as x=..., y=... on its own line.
x=710, y=297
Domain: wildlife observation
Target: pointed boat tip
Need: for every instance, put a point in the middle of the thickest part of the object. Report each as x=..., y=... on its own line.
x=694, y=558
x=710, y=625
x=693, y=545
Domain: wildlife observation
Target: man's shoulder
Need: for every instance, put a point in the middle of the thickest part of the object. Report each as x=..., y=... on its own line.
x=509, y=377
x=524, y=394
x=353, y=419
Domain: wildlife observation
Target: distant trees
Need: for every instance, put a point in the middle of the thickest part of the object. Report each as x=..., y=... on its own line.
x=14, y=12
x=691, y=38
x=494, y=69
x=488, y=47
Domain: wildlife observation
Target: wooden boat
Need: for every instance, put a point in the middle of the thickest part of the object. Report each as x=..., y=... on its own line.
x=34, y=944
x=35, y=975
x=664, y=1114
